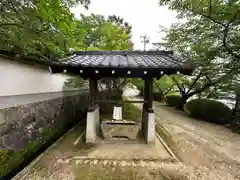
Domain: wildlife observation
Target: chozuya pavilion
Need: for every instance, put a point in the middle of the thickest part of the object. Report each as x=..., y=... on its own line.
x=94, y=65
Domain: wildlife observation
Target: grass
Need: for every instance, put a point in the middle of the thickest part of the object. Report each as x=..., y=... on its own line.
x=131, y=112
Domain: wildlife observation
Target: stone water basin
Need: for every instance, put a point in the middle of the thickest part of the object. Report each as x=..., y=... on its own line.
x=120, y=129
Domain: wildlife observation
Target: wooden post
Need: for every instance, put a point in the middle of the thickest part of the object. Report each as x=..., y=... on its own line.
x=146, y=92
x=93, y=113
x=92, y=94
x=150, y=95
x=95, y=86
x=145, y=105
x=150, y=119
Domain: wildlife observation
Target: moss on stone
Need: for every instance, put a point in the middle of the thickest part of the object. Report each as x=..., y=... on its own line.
x=5, y=157
x=11, y=160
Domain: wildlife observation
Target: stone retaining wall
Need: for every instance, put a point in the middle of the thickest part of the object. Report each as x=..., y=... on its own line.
x=23, y=124
x=27, y=130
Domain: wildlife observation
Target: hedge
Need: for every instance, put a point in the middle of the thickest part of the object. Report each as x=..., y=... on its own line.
x=173, y=100
x=157, y=96
x=209, y=110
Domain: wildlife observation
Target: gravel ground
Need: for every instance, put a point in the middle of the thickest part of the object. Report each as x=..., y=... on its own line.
x=202, y=144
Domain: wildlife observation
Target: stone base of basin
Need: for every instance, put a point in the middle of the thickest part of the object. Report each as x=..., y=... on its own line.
x=120, y=129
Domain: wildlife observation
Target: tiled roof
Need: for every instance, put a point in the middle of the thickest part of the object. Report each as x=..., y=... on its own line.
x=125, y=59
x=122, y=64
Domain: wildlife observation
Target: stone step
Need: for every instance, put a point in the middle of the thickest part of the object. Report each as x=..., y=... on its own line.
x=122, y=163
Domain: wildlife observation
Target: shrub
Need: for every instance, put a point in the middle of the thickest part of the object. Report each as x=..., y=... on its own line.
x=173, y=100
x=157, y=96
x=209, y=110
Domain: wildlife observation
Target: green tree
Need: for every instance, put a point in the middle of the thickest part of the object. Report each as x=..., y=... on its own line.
x=40, y=29
x=164, y=86
x=208, y=36
x=104, y=34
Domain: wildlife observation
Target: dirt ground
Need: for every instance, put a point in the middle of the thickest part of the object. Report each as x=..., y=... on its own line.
x=202, y=144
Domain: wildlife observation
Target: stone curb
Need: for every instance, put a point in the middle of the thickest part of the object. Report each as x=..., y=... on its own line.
x=116, y=159
x=166, y=147
x=23, y=172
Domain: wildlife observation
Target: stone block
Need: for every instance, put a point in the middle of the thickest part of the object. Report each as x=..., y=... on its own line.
x=28, y=120
x=14, y=114
x=25, y=123
x=21, y=144
x=6, y=128
x=7, y=141
x=150, y=129
x=97, y=121
x=33, y=135
x=39, y=124
x=120, y=129
x=91, y=131
x=2, y=117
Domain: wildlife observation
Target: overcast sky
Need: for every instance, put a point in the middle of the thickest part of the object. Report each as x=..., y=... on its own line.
x=145, y=16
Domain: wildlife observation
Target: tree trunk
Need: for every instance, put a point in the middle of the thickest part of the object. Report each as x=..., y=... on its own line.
x=235, y=119
x=183, y=101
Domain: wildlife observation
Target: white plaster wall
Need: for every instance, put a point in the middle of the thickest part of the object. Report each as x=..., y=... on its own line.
x=18, y=78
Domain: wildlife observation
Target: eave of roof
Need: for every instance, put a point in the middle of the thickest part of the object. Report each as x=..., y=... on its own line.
x=122, y=64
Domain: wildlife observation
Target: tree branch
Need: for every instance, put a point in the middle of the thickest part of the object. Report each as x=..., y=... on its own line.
x=178, y=85
x=210, y=8
x=194, y=82
x=206, y=86
x=122, y=84
x=157, y=86
x=168, y=90
x=21, y=26
x=226, y=27
x=225, y=35
x=210, y=93
x=206, y=16
x=45, y=29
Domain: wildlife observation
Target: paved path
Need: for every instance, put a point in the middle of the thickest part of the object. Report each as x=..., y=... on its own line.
x=202, y=144
x=213, y=148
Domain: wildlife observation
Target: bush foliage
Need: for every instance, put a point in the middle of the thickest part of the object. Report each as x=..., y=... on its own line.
x=173, y=100
x=209, y=110
x=157, y=96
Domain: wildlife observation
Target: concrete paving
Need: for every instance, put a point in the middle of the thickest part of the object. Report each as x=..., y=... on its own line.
x=127, y=150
